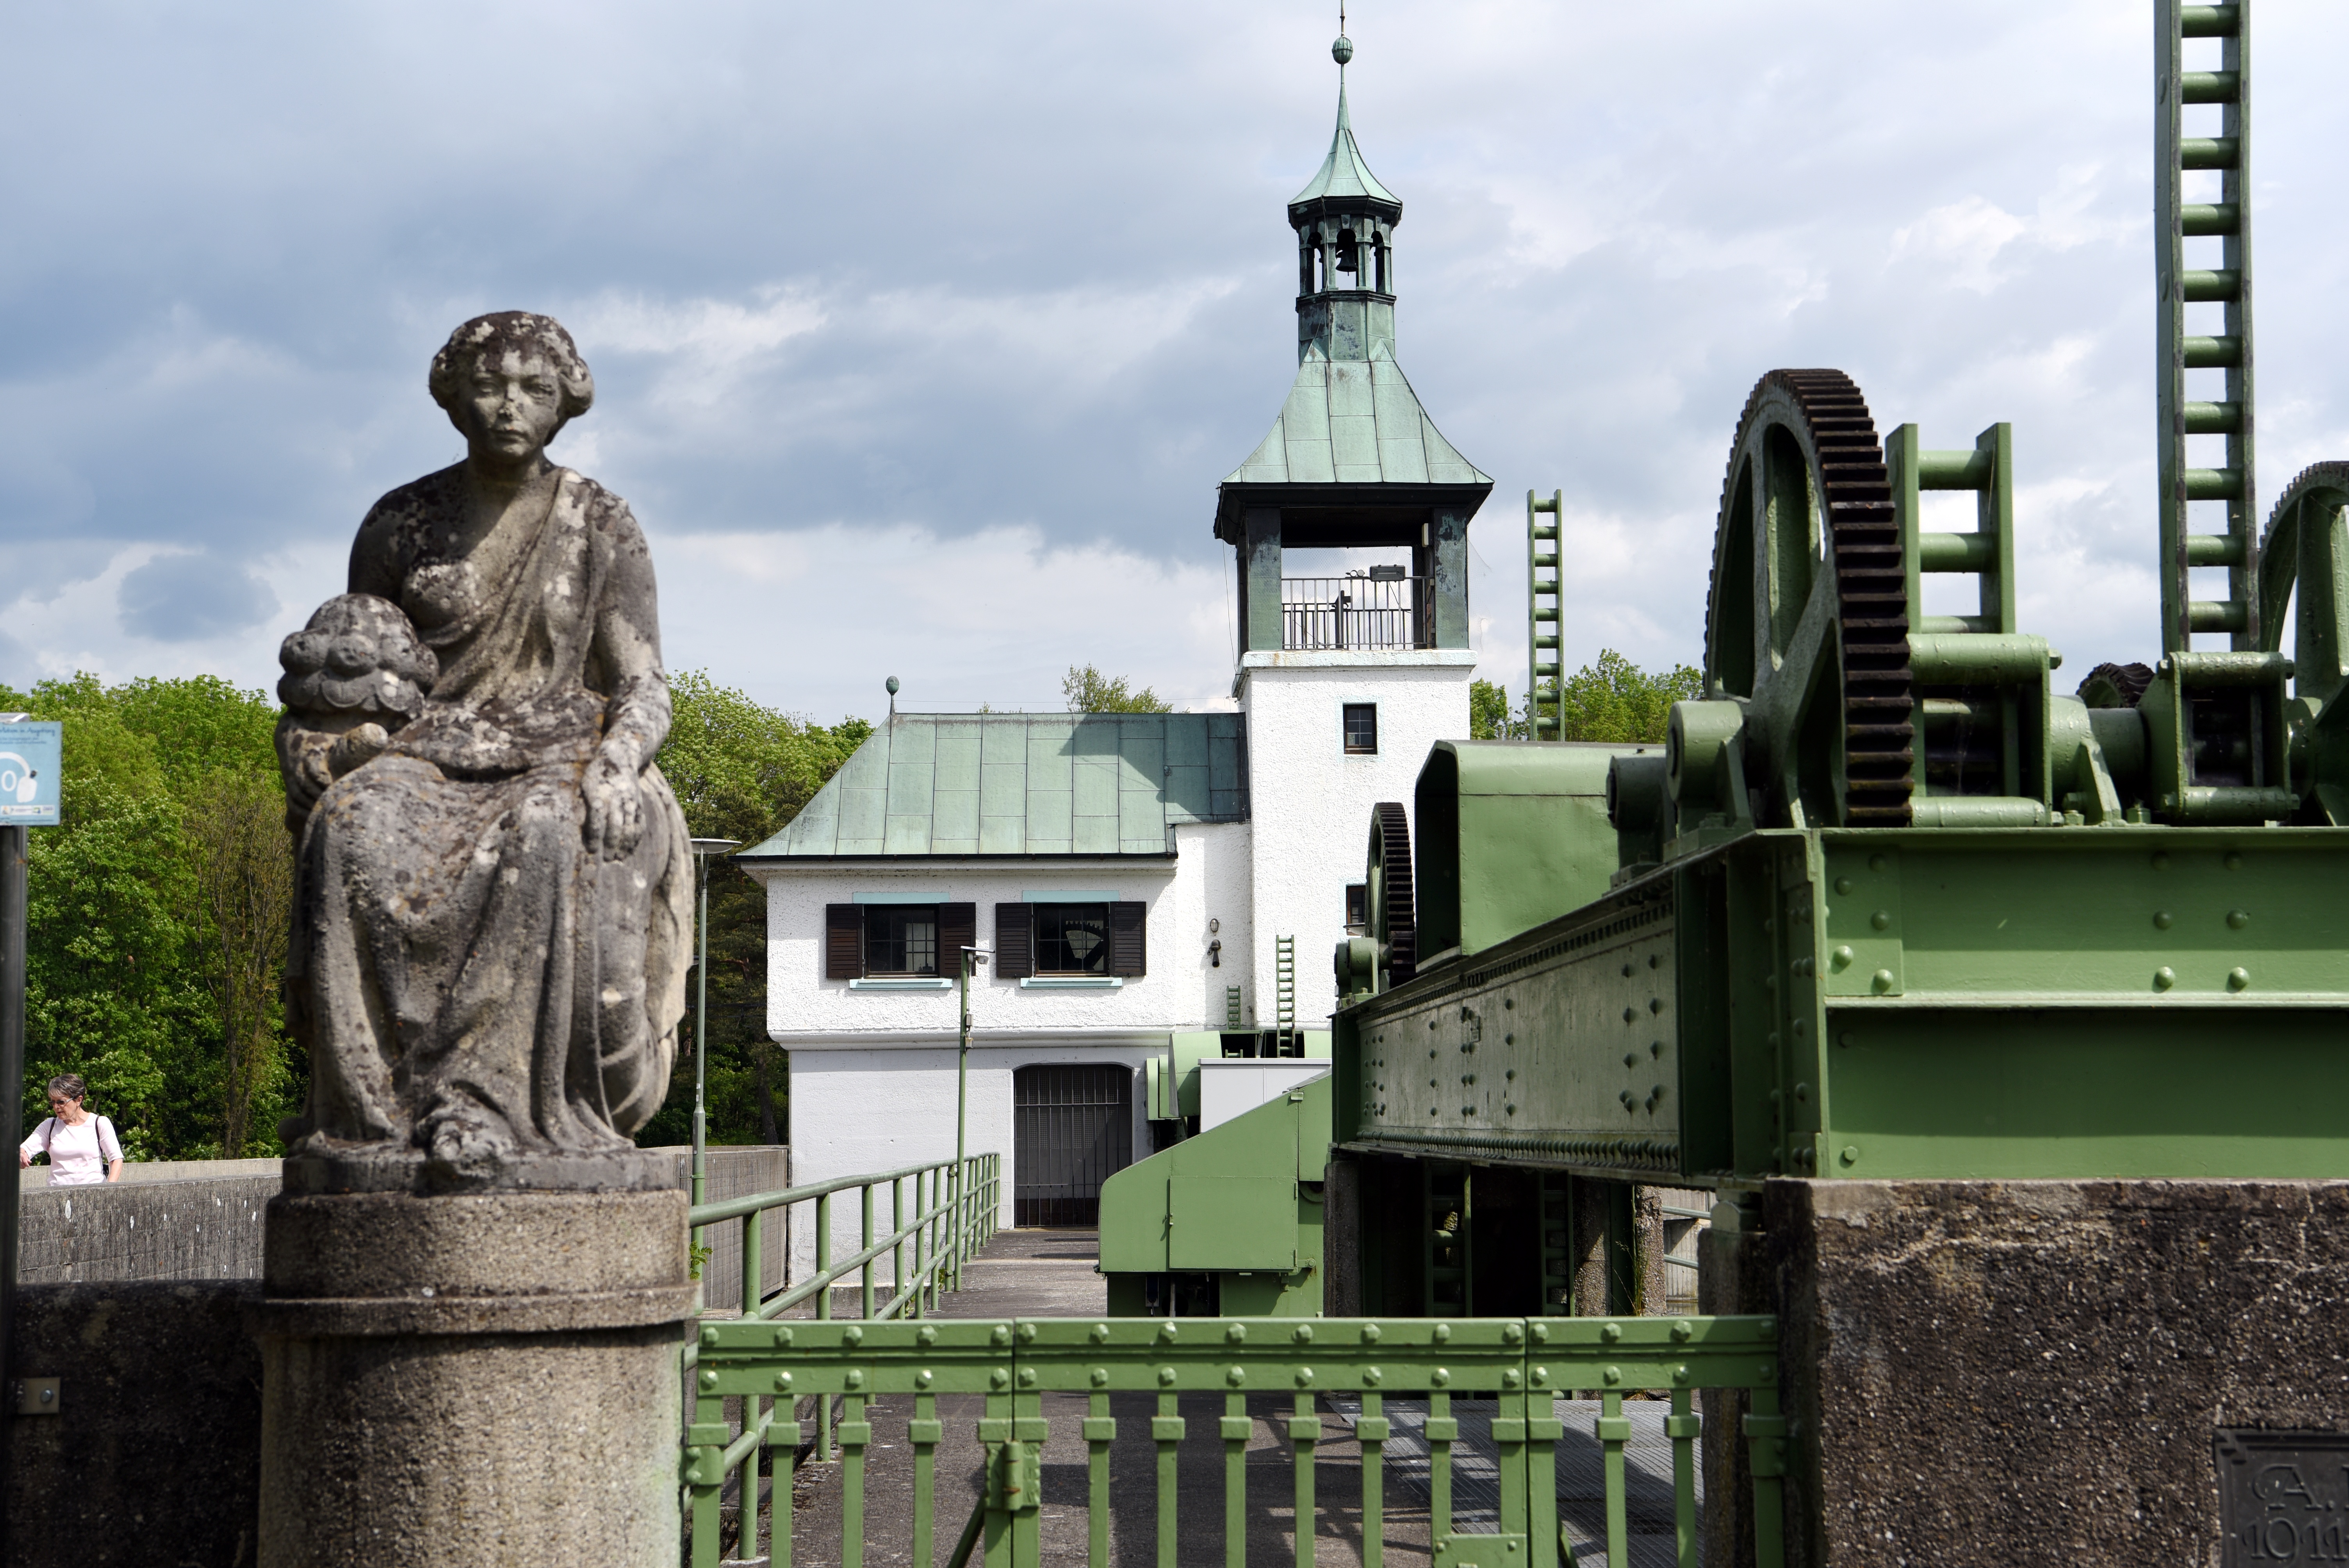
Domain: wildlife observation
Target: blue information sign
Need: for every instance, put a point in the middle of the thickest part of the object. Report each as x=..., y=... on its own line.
x=32, y=762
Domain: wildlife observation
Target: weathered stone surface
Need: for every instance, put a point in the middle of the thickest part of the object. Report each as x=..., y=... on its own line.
x=472, y=1378
x=143, y=1229
x=493, y=919
x=2032, y=1371
x=154, y=1457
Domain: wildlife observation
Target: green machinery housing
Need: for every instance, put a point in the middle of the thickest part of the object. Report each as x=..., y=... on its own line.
x=1886, y=902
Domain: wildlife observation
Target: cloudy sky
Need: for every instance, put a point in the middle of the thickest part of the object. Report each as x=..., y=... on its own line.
x=922, y=333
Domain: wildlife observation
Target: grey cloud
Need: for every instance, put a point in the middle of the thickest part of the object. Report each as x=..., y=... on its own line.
x=180, y=598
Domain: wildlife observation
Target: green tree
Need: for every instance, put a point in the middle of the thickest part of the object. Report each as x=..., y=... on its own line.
x=131, y=979
x=1090, y=691
x=742, y=771
x=1616, y=700
x=1489, y=717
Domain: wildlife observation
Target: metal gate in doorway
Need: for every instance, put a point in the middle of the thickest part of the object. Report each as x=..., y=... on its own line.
x=1072, y=1129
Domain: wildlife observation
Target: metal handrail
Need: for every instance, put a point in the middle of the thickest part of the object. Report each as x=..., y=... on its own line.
x=1355, y=613
x=954, y=1215
x=1385, y=1370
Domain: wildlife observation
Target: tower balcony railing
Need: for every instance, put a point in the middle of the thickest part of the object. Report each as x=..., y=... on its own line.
x=1356, y=612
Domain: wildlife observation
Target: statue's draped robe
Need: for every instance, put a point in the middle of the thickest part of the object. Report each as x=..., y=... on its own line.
x=470, y=977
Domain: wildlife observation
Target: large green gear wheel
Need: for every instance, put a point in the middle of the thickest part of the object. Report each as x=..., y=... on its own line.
x=1807, y=471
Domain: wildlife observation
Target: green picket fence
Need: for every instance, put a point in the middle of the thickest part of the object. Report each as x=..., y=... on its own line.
x=1529, y=1364
x=935, y=1223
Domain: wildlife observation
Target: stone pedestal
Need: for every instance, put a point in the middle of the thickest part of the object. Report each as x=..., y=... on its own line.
x=485, y=1377
x=2035, y=1371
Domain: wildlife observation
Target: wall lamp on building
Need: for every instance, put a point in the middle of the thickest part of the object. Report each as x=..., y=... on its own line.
x=1214, y=948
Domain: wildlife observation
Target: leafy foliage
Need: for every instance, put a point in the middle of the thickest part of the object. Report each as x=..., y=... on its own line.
x=1090, y=691
x=134, y=977
x=1613, y=700
x=741, y=772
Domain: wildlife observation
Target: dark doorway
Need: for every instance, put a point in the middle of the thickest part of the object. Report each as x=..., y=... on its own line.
x=1072, y=1129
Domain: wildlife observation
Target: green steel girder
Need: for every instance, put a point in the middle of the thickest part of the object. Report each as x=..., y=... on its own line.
x=1910, y=1003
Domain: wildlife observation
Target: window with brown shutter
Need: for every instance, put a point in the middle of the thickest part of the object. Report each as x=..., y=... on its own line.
x=1015, y=942
x=844, y=942
x=1129, y=940
x=958, y=929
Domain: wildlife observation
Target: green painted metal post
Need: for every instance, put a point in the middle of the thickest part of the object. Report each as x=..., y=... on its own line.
x=754, y=1287
x=823, y=1310
x=864, y=1245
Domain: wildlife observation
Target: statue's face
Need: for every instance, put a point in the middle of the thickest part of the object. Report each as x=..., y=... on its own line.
x=511, y=406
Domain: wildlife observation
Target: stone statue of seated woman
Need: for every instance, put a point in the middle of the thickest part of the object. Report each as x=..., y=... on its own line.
x=493, y=917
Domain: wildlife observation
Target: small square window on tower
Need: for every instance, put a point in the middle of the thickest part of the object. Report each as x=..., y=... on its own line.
x=1361, y=720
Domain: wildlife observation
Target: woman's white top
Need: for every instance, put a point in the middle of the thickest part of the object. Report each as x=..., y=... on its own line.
x=78, y=1156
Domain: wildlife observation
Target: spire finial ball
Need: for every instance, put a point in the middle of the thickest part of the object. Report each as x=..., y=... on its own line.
x=1342, y=50
x=892, y=684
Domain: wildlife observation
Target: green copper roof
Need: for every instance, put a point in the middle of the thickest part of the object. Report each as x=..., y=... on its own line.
x=1024, y=784
x=1343, y=172
x=1355, y=421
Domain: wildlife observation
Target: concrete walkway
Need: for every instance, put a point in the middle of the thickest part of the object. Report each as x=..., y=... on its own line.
x=1049, y=1273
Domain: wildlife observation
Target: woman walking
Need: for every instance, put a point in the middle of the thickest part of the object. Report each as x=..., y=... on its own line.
x=82, y=1147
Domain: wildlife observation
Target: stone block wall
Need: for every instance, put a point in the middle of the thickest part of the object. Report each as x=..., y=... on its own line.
x=2032, y=1371
x=154, y=1455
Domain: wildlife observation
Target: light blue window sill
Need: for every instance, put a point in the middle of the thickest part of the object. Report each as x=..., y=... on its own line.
x=1072, y=983
x=910, y=983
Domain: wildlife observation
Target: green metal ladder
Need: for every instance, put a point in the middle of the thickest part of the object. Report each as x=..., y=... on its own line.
x=1542, y=710
x=1284, y=951
x=2229, y=286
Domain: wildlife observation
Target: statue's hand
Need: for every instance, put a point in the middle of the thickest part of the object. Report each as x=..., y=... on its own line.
x=303, y=757
x=615, y=806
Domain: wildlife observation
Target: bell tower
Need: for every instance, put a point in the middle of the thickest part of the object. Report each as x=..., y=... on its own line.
x=1351, y=672
x=1353, y=460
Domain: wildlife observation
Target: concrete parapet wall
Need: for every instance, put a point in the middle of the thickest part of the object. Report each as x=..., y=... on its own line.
x=2034, y=1371
x=154, y=1456
x=201, y=1220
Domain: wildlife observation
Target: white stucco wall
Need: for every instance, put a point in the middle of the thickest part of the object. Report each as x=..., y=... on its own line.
x=1310, y=802
x=872, y=1071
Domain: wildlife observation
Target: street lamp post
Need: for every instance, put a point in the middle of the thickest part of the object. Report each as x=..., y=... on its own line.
x=963, y=1216
x=702, y=849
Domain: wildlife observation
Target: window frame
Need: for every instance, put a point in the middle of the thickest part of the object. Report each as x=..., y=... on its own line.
x=893, y=911
x=1104, y=952
x=1346, y=711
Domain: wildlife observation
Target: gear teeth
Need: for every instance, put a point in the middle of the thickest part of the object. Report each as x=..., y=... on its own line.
x=1864, y=553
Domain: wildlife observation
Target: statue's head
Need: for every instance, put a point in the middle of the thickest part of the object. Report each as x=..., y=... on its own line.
x=515, y=356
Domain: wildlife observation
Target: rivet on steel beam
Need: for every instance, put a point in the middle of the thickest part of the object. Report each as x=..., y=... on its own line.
x=1167, y=1331
x=1026, y=1332
x=1167, y=1377
x=1511, y=1333
x=1612, y=1333
x=1881, y=981
x=1303, y=1334
x=1440, y=1377
x=1236, y=1376
x=851, y=1334
x=1683, y=1330
x=2234, y=861
x=1027, y=1377
x=2237, y=919
x=1237, y=1333
x=1304, y=1377
x=710, y=1336
x=1442, y=1334
x=1101, y=1333
x=708, y=1381
x=1877, y=863
x=1881, y=920
x=1843, y=885
x=1372, y=1377
x=1002, y=1334
x=1614, y=1375
x=998, y=1379
x=1100, y=1377
x=1850, y=1155
x=782, y=1382
x=2238, y=978
x=1841, y=957
x=923, y=1377
x=855, y=1378
x=783, y=1336
x=2163, y=920
x=2164, y=978
x=1373, y=1334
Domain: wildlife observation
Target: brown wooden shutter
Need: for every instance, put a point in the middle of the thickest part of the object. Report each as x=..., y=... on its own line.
x=958, y=929
x=1015, y=942
x=844, y=942
x=1129, y=940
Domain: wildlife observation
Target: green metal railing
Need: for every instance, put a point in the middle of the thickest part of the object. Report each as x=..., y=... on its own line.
x=948, y=1219
x=1529, y=1364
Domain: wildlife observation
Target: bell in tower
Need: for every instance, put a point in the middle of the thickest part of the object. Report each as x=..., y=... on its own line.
x=1353, y=461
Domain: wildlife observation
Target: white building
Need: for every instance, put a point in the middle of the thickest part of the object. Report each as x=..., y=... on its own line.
x=1132, y=877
